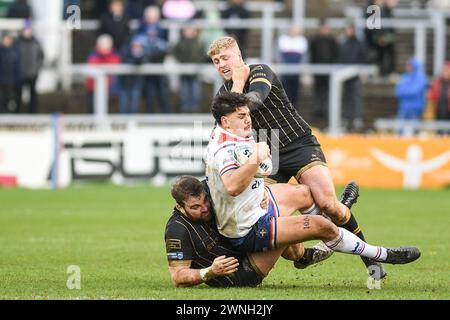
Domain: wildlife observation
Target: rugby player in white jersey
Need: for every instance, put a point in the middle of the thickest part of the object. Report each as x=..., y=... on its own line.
x=237, y=194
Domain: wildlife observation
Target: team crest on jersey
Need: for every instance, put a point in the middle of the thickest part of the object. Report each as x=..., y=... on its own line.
x=262, y=233
x=173, y=244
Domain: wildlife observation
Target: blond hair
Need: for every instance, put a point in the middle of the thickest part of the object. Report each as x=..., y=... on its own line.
x=220, y=44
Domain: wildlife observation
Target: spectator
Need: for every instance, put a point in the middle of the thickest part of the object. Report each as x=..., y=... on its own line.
x=178, y=10
x=411, y=92
x=384, y=40
x=440, y=94
x=156, y=86
x=324, y=49
x=293, y=47
x=190, y=50
x=234, y=12
x=151, y=23
x=103, y=54
x=9, y=75
x=352, y=51
x=135, y=8
x=20, y=9
x=31, y=59
x=131, y=85
x=116, y=24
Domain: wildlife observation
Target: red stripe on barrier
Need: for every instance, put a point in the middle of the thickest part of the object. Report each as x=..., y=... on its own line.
x=8, y=181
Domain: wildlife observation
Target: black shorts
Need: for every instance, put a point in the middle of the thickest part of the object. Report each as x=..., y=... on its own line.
x=296, y=158
x=248, y=275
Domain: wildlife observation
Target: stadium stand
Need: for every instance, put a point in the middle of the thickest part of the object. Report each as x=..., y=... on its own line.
x=378, y=94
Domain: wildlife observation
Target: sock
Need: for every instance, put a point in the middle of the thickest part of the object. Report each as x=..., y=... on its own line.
x=347, y=242
x=314, y=210
x=352, y=226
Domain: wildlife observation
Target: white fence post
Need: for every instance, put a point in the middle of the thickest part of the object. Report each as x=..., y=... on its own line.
x=439, y=41
x=267, y=34
x=101, y=96
x=334, y=104
x=420, y=42
x=298, y=12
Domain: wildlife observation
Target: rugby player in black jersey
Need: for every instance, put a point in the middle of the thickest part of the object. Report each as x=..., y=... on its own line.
x=197, y=253
x=299, y=152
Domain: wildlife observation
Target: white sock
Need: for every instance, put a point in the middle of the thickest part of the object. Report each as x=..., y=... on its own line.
x=314, y=210
x=347, y=242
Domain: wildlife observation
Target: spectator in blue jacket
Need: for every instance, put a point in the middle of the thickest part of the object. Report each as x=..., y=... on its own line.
x=411, y=92
x=131, y=85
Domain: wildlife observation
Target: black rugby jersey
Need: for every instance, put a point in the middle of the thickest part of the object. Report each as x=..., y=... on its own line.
x=200, y=243
x=276, y=111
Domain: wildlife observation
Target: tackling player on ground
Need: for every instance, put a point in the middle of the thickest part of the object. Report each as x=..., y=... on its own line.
x=197, y=253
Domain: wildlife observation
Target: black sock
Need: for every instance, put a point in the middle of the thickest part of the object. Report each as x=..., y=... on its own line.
x=353, y=227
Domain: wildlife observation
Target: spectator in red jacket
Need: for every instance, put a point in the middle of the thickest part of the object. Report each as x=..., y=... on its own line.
x=103, y=54
x=440, y=94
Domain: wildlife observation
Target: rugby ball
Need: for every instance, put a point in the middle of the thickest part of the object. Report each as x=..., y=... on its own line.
x=242, y=153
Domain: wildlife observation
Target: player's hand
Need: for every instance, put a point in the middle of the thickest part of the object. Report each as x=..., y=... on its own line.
x=223, y=266
x=262, y=151
x=240, y=75
x=265, y=202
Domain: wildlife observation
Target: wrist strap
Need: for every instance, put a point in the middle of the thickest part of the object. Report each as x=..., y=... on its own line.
x=207, y=274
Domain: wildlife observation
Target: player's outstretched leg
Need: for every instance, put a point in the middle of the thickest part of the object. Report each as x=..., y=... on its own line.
x=349, y=197
x=347, y=242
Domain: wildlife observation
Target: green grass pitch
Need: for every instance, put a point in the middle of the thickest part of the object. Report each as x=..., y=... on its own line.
x=115, y=235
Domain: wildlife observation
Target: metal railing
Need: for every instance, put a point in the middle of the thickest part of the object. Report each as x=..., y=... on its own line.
x=338, y=74
x=419, y=20
x=409, y=127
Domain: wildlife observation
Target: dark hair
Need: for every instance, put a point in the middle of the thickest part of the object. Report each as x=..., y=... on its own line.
x=227, y=103
x=185, y=187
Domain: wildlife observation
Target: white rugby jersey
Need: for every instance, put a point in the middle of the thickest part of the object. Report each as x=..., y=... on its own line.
x=234, y=215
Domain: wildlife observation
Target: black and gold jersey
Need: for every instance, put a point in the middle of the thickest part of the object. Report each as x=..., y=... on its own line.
x=276, y=114
x=199, y=243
